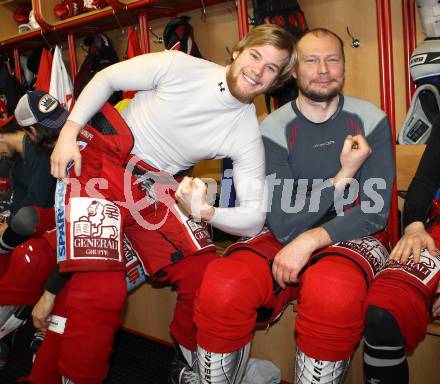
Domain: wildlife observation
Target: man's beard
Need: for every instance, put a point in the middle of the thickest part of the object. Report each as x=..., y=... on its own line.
x=320, y=96
x=235, y=90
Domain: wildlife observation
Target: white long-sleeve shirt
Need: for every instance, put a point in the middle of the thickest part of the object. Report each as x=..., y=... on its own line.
x=184, y=113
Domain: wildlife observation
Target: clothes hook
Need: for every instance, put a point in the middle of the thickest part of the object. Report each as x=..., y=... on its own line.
x=232, y=8
x=121, y=28
x=203, y=11
x=355, y=43
x=159, y=39
x=45, y=40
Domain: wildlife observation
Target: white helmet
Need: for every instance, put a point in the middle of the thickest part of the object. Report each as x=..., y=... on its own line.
x=425, y=60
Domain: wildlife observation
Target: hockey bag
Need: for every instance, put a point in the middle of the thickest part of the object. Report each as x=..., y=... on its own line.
x=178, y=35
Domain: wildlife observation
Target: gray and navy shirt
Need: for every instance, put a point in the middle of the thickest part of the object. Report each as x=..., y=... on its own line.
x=301, y=159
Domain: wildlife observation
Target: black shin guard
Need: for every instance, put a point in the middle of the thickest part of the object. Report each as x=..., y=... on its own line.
x=11, y=239
x=384, y=355
x=21, y=227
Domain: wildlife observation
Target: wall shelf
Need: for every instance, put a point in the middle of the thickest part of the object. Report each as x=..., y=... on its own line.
x=14, y=3
x=9, y=28
x=119, y=13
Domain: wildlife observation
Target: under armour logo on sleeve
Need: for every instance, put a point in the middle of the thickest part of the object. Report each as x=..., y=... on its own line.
x=222, y=88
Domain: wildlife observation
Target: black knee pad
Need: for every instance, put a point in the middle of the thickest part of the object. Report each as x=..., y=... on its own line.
x=381, y=328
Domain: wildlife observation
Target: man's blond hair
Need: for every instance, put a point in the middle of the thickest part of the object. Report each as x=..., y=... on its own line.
x=271, y=34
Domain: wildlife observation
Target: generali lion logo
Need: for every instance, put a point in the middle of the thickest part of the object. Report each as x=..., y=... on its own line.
x=423, y=270
x=370, y=249
x=96, y=231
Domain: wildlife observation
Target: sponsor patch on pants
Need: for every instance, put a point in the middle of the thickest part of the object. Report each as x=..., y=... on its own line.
x=424, y=271
x=198, y=231
x=57, y=324
x=368, y=248
x=135, y=274
x=95, y=229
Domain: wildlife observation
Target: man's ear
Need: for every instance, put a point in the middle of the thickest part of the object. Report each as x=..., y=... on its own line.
x=294, y=74
x=235, y=54
x=33, y=131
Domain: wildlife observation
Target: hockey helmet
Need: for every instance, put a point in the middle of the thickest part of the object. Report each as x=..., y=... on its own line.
x=425, y=60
